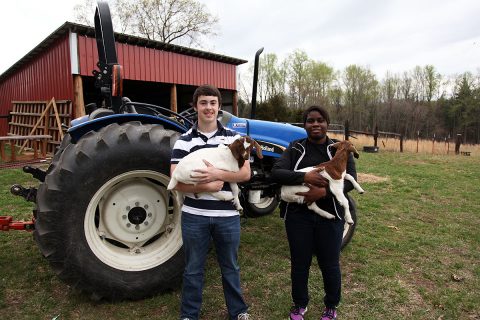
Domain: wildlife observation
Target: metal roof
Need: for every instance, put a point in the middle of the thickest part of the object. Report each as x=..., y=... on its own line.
x=121, y=38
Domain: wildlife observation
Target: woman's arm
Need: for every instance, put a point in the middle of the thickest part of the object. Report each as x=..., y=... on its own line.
x=348, y=186
x=282, y=171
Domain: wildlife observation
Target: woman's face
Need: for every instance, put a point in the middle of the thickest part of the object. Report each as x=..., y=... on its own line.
x=316, y=127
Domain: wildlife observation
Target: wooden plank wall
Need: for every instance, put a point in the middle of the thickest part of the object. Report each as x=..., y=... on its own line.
x=25, y=115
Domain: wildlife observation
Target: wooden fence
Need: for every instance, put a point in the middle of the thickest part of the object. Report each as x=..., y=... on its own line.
x=29, y=118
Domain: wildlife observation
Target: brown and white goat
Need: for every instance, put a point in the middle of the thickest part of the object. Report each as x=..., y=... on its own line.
x=335, y=171
x=228, y=158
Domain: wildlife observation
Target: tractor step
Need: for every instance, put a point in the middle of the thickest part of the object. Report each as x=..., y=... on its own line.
x=7, y=223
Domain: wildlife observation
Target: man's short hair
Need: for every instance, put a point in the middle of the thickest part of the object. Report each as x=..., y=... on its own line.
x=319, y=109
x=207, y=90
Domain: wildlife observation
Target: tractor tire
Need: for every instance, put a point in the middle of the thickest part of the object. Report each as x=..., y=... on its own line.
x=106, y=223
x=348, y=229
x=265, y=207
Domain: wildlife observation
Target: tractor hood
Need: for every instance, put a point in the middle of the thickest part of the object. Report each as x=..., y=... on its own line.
x=273, y=137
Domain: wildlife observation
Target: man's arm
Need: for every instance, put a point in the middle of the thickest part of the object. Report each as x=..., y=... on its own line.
x=210, y=173
x=213, y=186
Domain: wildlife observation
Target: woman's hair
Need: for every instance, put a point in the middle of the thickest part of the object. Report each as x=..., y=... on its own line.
x=319, y=109
x=207, y=90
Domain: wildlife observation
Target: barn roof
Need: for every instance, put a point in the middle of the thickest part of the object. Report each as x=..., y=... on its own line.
x=119, y=37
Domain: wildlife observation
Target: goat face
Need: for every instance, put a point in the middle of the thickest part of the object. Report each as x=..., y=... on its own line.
x=346, y=145
x=242, y=147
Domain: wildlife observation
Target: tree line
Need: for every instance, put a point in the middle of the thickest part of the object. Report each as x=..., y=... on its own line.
x=419, y=102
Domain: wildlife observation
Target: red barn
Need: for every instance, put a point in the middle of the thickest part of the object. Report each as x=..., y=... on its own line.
x=154, y=72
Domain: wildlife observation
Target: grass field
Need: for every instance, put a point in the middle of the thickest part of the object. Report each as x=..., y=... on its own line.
x=415, y=254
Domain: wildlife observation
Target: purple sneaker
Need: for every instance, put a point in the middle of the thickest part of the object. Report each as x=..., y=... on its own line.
x=296, y=313
x=329, y=314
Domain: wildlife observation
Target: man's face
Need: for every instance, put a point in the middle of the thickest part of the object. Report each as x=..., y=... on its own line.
x=316, y=126
x=207, y=108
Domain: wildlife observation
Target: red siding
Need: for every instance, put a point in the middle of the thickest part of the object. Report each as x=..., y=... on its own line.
x=146, y=64
x=48, y=75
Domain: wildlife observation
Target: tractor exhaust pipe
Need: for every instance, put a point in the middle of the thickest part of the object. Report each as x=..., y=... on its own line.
x=255, y=81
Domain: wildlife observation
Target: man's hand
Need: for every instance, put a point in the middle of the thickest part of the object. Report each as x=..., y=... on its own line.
x=314, y=178
x=206, y=175
x=314, y=194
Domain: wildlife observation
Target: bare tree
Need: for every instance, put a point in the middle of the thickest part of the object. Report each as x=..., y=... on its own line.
x=182, y=22
x=298, y=63
x=432, y=81
x=84, y=12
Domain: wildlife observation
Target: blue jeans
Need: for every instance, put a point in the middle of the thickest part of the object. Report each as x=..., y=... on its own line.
x=197, y=231
x=310, y=234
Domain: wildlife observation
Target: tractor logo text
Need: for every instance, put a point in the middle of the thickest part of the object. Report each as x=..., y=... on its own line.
x=267, y=148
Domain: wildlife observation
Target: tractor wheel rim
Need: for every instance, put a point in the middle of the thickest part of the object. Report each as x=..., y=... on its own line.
x=264, y=202
x=129, y=224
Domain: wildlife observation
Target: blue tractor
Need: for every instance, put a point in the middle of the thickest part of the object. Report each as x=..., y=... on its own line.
x=104, y=219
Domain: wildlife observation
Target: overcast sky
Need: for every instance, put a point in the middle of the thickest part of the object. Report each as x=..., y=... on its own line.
x=393, y=35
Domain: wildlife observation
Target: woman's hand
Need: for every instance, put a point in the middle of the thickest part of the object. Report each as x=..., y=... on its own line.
x=314, y=194
x=314, y=178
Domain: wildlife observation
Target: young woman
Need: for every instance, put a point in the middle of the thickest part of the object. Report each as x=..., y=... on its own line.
x=307, y=232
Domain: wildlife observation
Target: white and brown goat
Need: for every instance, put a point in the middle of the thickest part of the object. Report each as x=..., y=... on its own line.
x=335, y=171
x=225, y=157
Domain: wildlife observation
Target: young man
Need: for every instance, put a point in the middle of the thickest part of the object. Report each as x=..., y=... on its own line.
x=205, y=217
x=307, y=232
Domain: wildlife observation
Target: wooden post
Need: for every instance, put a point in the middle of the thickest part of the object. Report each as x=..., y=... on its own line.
x=401, y=143
x=173, y=98
x=12, y=150
x=46, y=127
x=448, y=144
x=44, y=143
x=375, y=136
x=2, y=150
x=418, y=138
x=57, y=118
x=35, y=147
x=458, y=142
x=235, y=104
x=78, y=102
x=347, y=130
x=433, y=144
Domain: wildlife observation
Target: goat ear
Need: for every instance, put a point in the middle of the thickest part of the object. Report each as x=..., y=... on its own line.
x=355, y=152
x=258, y=149
x=335, y=145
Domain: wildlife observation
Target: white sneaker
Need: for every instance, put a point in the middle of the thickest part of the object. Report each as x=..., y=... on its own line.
x=243, y=316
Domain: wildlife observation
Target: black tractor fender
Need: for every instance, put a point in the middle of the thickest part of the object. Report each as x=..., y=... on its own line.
x=76, y=132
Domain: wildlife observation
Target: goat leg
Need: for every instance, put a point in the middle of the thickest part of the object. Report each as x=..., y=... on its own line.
x=355, y=184
x=313, y=206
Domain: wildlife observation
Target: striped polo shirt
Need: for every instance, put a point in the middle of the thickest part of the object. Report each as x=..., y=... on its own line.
x=205, y=204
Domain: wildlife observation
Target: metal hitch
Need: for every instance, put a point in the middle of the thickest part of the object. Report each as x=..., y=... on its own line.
x=7, y=223
x=30, y=194
x=37, y=173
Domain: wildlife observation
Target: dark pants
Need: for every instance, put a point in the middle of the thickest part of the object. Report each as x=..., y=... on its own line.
x=309, y=234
